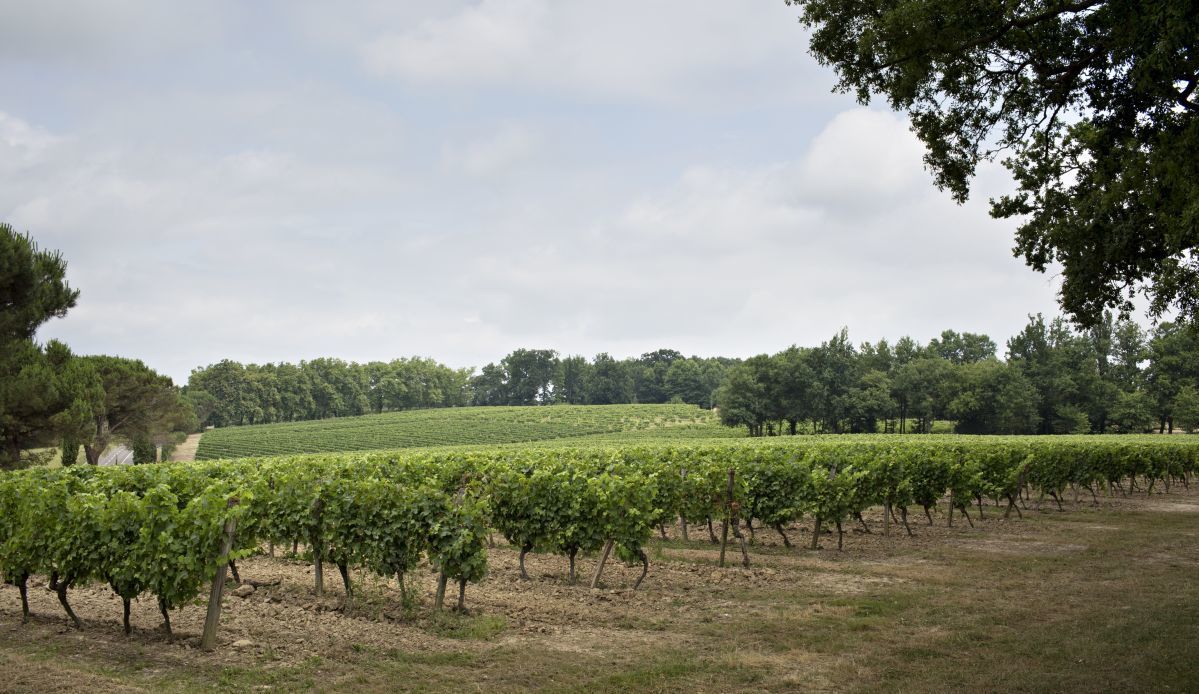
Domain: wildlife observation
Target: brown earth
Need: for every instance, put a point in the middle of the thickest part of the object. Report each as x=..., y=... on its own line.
x=186, y=451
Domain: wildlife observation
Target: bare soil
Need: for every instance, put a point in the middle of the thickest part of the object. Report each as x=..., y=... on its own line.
x=186, y=451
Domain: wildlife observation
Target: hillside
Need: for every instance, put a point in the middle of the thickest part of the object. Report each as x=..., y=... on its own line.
x=462, y=425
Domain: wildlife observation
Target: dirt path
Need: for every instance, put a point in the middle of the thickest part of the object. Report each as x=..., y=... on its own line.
x=187, y=449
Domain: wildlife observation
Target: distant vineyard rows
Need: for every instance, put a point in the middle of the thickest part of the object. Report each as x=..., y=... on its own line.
x=452, y=426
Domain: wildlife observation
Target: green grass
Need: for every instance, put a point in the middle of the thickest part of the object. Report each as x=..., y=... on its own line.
x=463, y=426
x=456, y=626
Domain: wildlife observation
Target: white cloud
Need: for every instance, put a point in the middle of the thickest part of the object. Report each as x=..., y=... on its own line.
x=20, y=139
x=497, y=153
x=863, y=159
x=584, y=177
x=661, y=51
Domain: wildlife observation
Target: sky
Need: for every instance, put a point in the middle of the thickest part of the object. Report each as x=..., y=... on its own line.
x=278, y=181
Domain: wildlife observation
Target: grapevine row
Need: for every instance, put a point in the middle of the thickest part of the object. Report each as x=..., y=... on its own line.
x=157, y=529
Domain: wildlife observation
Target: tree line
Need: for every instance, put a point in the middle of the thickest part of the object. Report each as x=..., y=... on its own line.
x=230, y=393
x=1114, y=377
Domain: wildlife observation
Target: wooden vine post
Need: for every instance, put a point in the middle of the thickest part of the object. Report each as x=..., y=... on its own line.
x=683, y=515
x=734, y=514
x=724, y=525
x=208, y=642
x=318, y=569
x=599, y=568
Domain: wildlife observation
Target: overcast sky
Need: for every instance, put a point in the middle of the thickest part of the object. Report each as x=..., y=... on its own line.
x=284, y=180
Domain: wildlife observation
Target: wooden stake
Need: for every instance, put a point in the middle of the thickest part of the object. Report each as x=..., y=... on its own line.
x=599, y=568
x=439, y=600
x=682, y=517
x=208, y=642
x=319, y=569
x=741, y=539
x=724, y=524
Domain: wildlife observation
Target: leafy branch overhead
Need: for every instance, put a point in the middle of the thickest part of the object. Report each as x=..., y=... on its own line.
x=1092, y=104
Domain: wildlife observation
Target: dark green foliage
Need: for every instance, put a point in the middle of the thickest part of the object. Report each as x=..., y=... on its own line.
x=70, y=449
x=158, y=529
x=35, y=388
x=1095, y=104
x=130, y=402
x=33, y=286
x=144, y=450
x=1055, y=380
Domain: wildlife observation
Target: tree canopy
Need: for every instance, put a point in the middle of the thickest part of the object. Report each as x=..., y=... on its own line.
x=33, y=286
x=129, y=401
x=1094, y=105
x=35, y=387
x=1110, y=378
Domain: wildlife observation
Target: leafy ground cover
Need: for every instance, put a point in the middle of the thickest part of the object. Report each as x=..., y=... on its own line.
x=463, y=425
x=1095, y=598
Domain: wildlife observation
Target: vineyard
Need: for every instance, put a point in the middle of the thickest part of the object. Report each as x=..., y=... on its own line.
x=466, y=425
x=165, y=530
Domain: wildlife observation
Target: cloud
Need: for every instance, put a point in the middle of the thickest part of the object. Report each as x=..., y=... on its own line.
x=457, y=180
x=863, y=160
x=99, y=31
x=740, y=260
x=497, y=153
x=658, y=52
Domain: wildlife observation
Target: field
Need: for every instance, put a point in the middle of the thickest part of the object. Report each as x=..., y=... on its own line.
x=1096, y=598
x=1046, y=564
x=462, y=426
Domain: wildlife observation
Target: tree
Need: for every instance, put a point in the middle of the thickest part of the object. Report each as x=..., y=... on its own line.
x=609, y=381
x=33, y=392
x=489, y=386
x=530, y=376
x=650, y=376
x=869, y=401
x=202, y=403
x=225, y=382
x=995, y=398
x=962, y=348
x=38, y=389
x=922, y=389
x=135, y=404
x=1051, y=357
x=742, y=400
x=1095, y=104
x=33, y=286
x=685, y=381
x=834, y=371
x=1173, y=364
x=795, y=387
x=1132, y=413
x=570, y=380
x=1186, y=408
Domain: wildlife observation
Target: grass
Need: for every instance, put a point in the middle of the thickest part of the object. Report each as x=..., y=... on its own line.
x=1081, y=601
x=456, y=626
